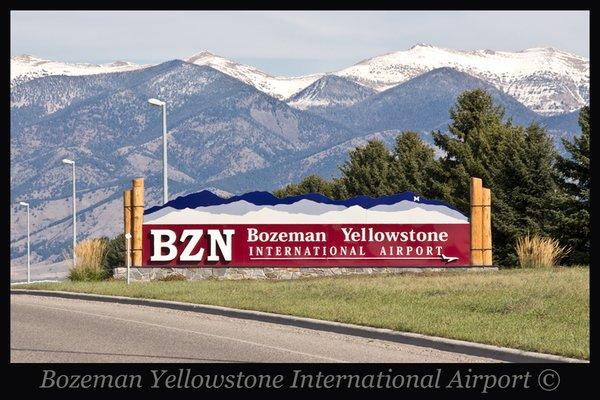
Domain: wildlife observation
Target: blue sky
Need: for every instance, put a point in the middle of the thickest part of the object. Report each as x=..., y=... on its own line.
x=286, y=43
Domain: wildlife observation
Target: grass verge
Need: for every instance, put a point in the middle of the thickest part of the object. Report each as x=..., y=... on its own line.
x=544, y=310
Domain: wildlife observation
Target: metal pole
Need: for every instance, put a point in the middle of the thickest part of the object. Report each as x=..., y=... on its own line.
x=165, y=184
x=74, y=219
x=72, y=163
x=28, y=252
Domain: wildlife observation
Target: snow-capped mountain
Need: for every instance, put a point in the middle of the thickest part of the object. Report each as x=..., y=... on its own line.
x=421, y=104
x=330, y=91
x=280, y=87
x=25, y=67
x=547, y=80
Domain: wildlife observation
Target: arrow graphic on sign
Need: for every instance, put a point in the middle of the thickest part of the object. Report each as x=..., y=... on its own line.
x=448, y=259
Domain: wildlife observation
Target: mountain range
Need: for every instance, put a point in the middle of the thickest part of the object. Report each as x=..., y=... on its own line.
x=235, y=128
x=544, y=79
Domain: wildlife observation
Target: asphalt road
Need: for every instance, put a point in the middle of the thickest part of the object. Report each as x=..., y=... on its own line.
x=48, y=329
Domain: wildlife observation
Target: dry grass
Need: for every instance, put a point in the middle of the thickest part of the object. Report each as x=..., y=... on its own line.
x=539, y=252
x=89, y=258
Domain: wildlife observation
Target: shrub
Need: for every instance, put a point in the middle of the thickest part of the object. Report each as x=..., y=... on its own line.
x=539, y=252
x=84, y=274
x=90, y=259
x=115, y=253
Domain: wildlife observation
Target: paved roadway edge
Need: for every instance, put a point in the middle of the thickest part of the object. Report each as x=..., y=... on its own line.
x=414, y=339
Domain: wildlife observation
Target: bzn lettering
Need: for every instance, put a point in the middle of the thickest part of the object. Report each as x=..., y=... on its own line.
x=164, y=239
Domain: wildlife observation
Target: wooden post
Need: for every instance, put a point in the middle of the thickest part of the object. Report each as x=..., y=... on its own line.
x=127, y=211
x=137, y=204
x=487, y=227
x=476, y=222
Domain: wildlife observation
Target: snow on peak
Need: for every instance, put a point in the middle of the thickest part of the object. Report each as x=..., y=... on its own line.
x=280, y=87
x=201, y=56
x=330, y=91
x=547, y=80
x=26, y=67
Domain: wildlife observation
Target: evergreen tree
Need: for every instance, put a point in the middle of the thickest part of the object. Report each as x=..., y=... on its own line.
x=414, y=166
x=575, y=180
x=368, y=170
x=516, y=163
x=338, y=189
x=473, y=148
x=541, y=196
x=313, y=184
x=481, y=144
x=530, y=198
x=291, y=189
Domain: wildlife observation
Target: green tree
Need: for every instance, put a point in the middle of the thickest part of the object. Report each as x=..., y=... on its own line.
x=368, y=170
x=541, y=194
x=575, y=180
x=338, y=189
x=414, y=167
x=516, y=163
x=473, y=148
x=313, y=184
x=474, y=110
x=291, y=189
x=528, y=191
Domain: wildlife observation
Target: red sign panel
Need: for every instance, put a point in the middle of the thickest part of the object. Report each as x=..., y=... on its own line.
x=306, y=245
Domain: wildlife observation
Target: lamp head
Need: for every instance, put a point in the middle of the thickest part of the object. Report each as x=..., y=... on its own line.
x=156, y=102
x=24, y=203
x=67, y=161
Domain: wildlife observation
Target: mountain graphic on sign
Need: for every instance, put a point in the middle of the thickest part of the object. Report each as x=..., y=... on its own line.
x=263, y=207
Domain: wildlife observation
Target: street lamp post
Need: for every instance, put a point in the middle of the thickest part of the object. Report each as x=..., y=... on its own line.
x=72, y=163
x=160, y=103
x=28, y=243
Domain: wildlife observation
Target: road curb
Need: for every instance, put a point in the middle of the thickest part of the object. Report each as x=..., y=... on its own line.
x=457, y=346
